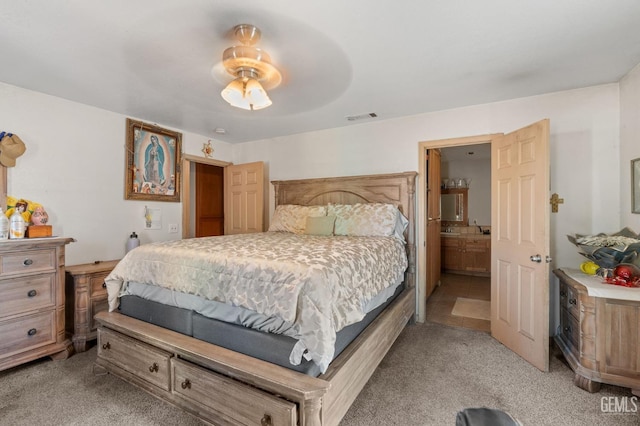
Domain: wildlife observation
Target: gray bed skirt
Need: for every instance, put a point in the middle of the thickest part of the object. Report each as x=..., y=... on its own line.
x=274, y=348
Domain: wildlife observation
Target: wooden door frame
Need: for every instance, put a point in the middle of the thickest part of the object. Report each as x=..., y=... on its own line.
x=186, y=186
x=421, y=283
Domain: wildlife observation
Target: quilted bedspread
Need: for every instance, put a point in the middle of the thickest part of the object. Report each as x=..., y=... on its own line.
x=320, y=284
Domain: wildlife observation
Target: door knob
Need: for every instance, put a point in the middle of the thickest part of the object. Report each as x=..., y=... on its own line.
x=536, y=258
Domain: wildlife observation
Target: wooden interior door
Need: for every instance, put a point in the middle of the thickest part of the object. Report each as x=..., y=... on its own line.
x=209, y=202
x=244, y=198
x=520, y=242
x=433, y=220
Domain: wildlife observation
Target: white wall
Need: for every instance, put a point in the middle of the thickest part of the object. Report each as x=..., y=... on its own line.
x=629, y=142
x=74, y=164
x=584, y=152
x=74, y=167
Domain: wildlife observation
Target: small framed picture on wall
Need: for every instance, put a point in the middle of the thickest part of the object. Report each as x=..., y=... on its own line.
x=635, y=185
x=152, y=170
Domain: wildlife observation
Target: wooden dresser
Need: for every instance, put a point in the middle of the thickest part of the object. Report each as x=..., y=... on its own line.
x=86, y=296
x=598, y=336
x=32, y=300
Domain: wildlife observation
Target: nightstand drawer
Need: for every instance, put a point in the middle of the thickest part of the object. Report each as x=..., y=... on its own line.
x=570, y=331
x=27, y=294
x=573, y=302
x=98, y=287
x=97, y=305
x=28, y=332
x=27, y=262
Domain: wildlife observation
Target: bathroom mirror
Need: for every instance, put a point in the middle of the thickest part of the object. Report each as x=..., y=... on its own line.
x=453, y=205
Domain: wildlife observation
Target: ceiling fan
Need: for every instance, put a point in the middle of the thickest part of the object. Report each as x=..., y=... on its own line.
x=252, y=69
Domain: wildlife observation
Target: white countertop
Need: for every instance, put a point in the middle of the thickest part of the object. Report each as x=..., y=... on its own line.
x=596, y=286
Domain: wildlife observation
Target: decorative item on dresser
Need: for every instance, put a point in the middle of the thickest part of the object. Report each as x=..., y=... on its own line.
x=86, y=295
x=32, y=300
x=599, y=331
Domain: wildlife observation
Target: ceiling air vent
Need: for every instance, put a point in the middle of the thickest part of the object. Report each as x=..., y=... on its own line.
x=361, y=116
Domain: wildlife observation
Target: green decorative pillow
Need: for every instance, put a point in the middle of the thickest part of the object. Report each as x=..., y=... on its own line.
x=320, y=225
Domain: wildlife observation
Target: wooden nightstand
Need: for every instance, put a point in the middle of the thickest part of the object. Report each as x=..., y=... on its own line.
x=86, y=295
x=598, y=336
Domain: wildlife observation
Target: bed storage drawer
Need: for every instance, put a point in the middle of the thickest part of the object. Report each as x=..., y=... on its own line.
x=238, y=404
x=145, y=361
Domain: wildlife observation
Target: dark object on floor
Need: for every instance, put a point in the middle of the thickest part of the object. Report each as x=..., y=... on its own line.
x=484, y=417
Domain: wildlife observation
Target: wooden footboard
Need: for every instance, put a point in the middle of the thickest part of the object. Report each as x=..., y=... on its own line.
x=224, y=387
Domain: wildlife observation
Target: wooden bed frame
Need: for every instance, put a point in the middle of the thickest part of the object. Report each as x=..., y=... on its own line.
x=225, y=387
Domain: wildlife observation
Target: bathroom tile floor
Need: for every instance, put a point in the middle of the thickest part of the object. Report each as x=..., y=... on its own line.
x=441, y=301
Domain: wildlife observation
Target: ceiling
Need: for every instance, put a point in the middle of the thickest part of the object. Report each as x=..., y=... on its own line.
x=159, y=61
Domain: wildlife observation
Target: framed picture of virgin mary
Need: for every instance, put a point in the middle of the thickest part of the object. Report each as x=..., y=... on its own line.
x=152, y=169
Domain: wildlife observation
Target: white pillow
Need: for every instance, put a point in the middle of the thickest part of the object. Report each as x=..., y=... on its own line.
x=373, y=219
x=293, y=218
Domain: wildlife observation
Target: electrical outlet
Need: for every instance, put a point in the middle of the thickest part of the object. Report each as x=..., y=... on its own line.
x=173, y=228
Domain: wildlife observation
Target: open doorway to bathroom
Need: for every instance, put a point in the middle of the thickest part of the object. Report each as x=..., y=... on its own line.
x=462, y=295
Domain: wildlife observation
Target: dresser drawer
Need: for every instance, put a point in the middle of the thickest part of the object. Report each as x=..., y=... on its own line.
x=98, y=287
x=145, y=361
x=238, y=404
x=26, y=262
x=573, y=302
x=563, y=295
x=32, y=331
x=570, y=331
x=27, y=294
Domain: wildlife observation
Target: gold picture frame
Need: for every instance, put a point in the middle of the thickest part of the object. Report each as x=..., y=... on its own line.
x=635, y=185
x=152, y=169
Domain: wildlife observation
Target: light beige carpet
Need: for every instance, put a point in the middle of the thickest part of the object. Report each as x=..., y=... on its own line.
x=431, y=372
x=472, y=308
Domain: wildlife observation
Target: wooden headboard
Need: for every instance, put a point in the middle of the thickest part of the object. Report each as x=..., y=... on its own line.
x=395, y=188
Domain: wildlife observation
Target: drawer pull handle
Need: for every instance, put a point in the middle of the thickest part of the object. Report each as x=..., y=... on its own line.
x=106, y=346
x=27, y=262
x=186, y=384
x=32, y=293
x=154, y=368
x=563, y=293
x=104, y=285
x=32, y=332
x=567, y=329
x=266, y=420
x=572, y=301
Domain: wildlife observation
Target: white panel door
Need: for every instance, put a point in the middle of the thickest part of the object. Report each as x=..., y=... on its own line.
x=520, y=242
x=244, y=198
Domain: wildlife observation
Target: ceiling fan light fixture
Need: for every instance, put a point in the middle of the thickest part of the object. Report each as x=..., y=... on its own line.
x=252, y=70
x=246, y=93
